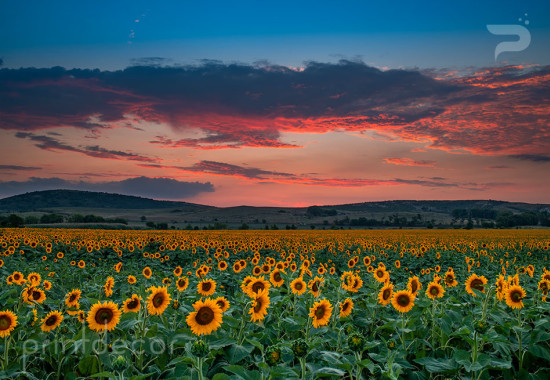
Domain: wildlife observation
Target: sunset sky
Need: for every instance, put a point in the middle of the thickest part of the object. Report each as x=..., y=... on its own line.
x=287, y=103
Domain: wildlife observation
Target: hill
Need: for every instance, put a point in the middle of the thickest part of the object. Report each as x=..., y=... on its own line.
x=41, y=200
x=79, y=208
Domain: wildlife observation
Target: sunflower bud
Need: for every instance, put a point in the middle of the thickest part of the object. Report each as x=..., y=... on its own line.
x=300, y=348
x=481, y=326
x=356, y=342
x=176, y=305
x=199, y=348
x=119, y=363
x=273, y=355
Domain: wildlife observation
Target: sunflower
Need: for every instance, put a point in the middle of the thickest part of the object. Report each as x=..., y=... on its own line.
x=18, y=278
x=475, y=282
x=320, y=313
x=298, y=286
x=403, y=301
x=132, y=304
x=182, y=283
x=34, y=278
x=276, y=279
x=81, y=316
x=109, y=286
x=346, y=307
x=434, y=290
x=414, y=285
x=514, y=296
x=315, y=286
x=147, y=272
x=256, y=285
x=206, y=318
x=450, y=280
x=260, y=303
x=158, y=300
x=222, y=265
x=71, y=299
x=81, y=264
x=47, y=285
x=51, y=321
x=380, y=274
x=37, y=295
x=178, y=271
x=103, y=316
x=206, y=287
x=8, y=321
x=385, y=295
x=223, y=303
x=131, y=279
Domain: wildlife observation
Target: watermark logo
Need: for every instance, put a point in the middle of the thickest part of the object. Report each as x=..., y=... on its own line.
x=523, y=34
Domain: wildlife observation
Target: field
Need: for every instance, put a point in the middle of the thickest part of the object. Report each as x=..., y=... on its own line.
x=274, y=304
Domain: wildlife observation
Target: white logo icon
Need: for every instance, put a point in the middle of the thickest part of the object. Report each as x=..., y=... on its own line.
x=523, y=34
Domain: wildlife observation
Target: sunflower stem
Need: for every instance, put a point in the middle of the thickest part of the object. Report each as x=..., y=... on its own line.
x=199, y=368
x=403, y=330
x=357, y=360
x=6, y=350
x=520, y=348
x=303, y=367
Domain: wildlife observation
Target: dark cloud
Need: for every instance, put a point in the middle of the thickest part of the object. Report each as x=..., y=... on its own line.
x=150, y=61
x=158, y=188
x=531, y=157
x=213, y=167
x=266, y=176
x=503, y=110
x=50, y=143
x=17, y=167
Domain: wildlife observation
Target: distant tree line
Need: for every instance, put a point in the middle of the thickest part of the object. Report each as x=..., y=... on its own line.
x=15, y=220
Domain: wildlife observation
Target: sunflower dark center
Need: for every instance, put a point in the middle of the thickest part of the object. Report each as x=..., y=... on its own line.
x=277, y=276
x=205, y=316
x=181, y=283
x=320, y=312
x=206, y=286
x=380, y=273
x=72, y=297
x=515, y=296
x=258, y=286
x=386, y=294
x=403, y=300
x=298, y=286
x=477, y=284
x=258, y=306
x=345, y=307
x=133, y=304
x=51, y=320
x=315, y=286
x=414, y=286
x=221, y=304
x=36, y=295
x=103, y=316
x=434, y=291
x=158, y=299
x=5, y=322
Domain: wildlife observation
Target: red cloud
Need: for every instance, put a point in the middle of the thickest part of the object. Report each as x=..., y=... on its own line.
x=409, y=162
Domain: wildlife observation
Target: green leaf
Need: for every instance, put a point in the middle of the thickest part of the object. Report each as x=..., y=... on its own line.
x=328, y=371
x=104, y=374
x=435, y=365
x=88, y=365
x=236, y=353
x=540, y=351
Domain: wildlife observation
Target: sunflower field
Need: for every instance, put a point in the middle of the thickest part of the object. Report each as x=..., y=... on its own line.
x=274, y=304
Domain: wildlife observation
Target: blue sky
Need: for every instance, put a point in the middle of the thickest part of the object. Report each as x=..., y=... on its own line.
x=109, y=35
x=275, y=103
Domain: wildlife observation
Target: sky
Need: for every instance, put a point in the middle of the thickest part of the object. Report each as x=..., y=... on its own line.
x=277, y=103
